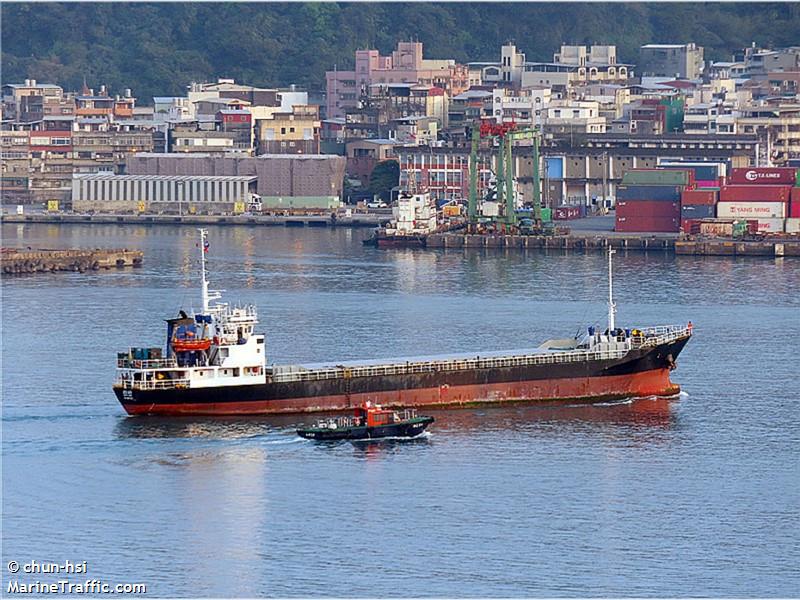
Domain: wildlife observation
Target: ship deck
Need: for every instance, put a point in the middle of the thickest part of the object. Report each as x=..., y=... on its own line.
x=653, y=336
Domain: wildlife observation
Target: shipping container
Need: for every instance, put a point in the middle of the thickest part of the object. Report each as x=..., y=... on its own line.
x=699, y=197
x=703, y=171
x=752, y=210
x=771, y=225
x=794, y=203
x=698, y=211
x=690, y=226
x=718, y=229
x=565, y=213
x=648, y=224
x=666, y=193
x=658, y=177
x=763, y=175
x=648, y=208
x=707, y=184
x=792, y=225
x=755, y=193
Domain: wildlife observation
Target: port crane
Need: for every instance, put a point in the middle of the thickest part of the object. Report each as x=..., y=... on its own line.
x=506, y=134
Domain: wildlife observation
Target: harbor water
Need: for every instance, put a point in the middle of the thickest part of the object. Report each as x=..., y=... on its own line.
x=694, y=496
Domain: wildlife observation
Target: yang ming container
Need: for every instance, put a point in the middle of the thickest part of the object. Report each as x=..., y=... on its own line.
x=751, y=210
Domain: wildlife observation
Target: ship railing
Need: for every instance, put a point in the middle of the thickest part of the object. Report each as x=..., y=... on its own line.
x=450, y=365
x=153, y=384
x=162, y=363
x=653, y=336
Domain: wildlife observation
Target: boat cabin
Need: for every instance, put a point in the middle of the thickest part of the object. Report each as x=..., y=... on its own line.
x=373, y=415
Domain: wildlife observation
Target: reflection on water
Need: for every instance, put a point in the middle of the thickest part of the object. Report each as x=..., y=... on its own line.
x=643, y=412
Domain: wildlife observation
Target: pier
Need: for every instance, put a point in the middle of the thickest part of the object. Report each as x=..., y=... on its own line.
x=588, y=242
x=17, y=262
x=285, y=220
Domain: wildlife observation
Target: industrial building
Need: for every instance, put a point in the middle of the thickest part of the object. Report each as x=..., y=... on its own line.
x=317, y=178
x=195, y=194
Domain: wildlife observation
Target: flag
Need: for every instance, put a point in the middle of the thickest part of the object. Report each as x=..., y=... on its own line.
x=205, y=245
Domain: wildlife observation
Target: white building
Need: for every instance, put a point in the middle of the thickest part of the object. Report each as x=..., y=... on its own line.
x=570, y=116
x=526, y=107
x=155, y=193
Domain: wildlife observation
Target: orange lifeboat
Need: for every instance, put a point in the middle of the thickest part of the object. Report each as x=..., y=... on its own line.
x=185, y=345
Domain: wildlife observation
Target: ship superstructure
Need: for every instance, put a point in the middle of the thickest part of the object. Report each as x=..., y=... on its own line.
x=215, y=364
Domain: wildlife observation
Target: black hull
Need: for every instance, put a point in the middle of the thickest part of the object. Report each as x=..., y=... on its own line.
x=405, y=429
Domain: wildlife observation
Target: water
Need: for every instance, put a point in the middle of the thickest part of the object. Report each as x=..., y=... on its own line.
x=694, y=496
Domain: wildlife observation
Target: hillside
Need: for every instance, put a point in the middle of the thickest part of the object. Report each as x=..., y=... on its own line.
x=158, y=48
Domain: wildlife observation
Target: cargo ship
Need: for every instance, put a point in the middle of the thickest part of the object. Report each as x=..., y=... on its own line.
x=214, y=363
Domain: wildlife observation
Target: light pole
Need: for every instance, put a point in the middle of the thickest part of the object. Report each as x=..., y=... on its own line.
x=179, y=185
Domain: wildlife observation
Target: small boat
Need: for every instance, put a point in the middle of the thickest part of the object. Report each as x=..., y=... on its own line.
x=369, y=422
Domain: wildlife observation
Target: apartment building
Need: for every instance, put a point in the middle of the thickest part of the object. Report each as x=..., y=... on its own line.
x=30, y=101
x=683, y=61
x=405, y=65
x=293, y=132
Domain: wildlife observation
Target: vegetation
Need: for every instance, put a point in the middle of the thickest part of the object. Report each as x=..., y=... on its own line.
x=158, y=48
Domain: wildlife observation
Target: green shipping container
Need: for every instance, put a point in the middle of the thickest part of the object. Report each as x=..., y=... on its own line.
x=657, y=177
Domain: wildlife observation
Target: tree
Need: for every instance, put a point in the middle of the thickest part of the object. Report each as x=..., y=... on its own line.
x=384, y=177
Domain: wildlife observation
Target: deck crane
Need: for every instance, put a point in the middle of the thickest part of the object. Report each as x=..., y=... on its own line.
x=507, y=134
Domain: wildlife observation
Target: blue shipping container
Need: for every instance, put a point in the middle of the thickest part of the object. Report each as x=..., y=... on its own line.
x=698, y=211
x=667, y=193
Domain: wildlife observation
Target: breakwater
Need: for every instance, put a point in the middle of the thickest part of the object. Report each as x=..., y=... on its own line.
x=19, y=262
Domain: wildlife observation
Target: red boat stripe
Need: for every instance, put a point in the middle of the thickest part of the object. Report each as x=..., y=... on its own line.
x=646, y=383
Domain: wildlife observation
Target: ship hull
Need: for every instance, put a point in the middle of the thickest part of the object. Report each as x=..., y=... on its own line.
x=643, y=372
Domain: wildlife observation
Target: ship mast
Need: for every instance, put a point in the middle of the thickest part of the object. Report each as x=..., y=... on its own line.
x=612, y=308
x=208, y=295
x=203, y=234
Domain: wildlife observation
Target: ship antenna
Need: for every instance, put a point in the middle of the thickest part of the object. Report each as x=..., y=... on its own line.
x=612, y=308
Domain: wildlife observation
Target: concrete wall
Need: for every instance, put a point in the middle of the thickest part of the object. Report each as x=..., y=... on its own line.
x=285, y=175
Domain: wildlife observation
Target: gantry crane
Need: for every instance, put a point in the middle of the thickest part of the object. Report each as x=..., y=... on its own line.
x=507, y=134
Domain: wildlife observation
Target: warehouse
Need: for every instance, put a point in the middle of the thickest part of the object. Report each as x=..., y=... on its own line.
x=189, y=194
x=279, y=175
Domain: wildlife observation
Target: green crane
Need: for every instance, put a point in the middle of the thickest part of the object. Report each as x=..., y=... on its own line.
x=507, y=135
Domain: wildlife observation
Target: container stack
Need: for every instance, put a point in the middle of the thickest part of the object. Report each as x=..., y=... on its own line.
x=649, y=200
x=697, y=204
x=706, y=173
x=762, y=194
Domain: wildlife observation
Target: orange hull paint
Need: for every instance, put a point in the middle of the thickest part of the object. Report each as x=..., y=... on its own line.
x=647, y=383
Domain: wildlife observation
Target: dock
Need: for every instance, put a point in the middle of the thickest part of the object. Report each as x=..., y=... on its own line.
x=598, y=241
x=18, y=262
x=289, y=220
